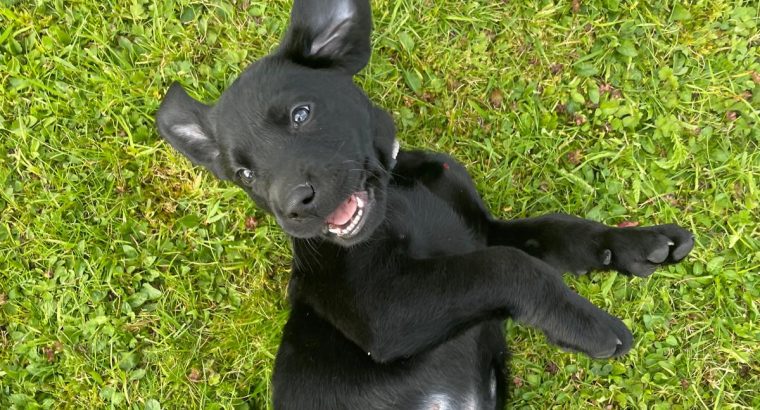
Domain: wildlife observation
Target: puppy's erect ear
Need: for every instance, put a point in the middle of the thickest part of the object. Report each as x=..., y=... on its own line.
x=329, y=33
x=183, y=122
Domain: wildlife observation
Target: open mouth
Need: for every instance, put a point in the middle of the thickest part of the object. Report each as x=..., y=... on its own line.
x=349, y=217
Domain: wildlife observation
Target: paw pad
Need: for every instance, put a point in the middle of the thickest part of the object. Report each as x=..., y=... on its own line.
x=659, y=254
x=683, y=249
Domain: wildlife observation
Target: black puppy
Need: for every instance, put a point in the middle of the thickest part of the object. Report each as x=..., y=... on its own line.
x=401, y=278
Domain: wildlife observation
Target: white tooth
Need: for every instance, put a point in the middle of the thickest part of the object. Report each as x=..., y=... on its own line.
x=359, y=202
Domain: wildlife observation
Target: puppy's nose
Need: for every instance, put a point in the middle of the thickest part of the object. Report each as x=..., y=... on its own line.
x=299, y=201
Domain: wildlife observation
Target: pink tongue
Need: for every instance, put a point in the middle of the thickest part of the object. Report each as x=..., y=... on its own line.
x=343, y=213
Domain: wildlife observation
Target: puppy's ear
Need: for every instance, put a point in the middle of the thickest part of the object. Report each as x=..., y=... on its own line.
x=183, y=122
x=329, y=34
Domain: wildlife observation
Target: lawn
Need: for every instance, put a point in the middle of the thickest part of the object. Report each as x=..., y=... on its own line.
x=131, y=279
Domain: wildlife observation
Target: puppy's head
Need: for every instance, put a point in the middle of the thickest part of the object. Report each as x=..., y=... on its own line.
x=294, y=131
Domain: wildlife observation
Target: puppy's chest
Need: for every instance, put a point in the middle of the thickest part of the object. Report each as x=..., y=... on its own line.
x=427, y=226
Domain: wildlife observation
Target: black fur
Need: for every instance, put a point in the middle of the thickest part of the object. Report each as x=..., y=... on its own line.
x=407, y=312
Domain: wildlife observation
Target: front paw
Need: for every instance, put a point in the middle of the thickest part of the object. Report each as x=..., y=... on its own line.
x=593, y=332
x=639, y=251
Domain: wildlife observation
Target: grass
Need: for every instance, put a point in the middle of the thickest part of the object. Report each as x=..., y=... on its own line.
x=130, y=279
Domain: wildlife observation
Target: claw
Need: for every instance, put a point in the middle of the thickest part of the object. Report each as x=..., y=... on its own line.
x=606, y=257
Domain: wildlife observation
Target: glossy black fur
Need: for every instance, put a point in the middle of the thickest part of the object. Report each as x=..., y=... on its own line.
x=408, y=313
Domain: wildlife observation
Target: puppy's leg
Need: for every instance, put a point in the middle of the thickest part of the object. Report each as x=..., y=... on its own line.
x=568, y=243
x=412, y=305
x=447, y=179
x=576, y=245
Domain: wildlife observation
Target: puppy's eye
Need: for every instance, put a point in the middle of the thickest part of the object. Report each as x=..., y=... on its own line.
x=300, y=114
x=245, y=176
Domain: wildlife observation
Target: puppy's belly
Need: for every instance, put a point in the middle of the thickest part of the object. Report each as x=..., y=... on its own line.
x=317, y=368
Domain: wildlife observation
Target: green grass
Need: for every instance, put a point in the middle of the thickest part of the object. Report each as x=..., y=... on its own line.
x=130, y=279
